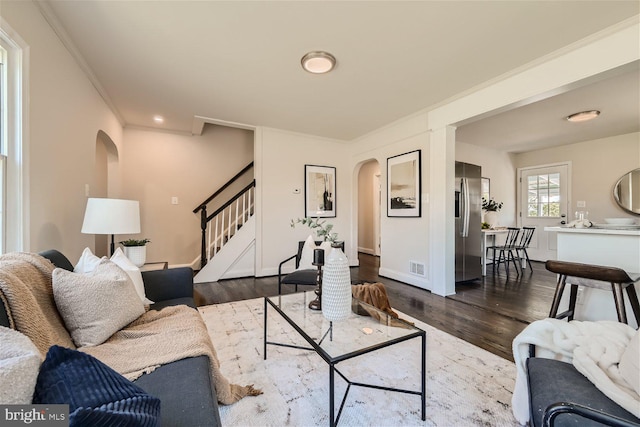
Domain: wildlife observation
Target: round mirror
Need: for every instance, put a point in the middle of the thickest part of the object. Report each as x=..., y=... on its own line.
x=627, y=192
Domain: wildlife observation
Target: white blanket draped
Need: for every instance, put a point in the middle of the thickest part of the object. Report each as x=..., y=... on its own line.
x=594, y=348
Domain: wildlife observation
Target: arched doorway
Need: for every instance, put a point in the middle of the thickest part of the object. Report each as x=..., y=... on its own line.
x=369, y=208
x=106, y=158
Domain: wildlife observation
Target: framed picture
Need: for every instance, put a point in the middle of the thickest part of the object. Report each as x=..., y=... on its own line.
x=485, y=189
x=319, y=191
x=404, y=185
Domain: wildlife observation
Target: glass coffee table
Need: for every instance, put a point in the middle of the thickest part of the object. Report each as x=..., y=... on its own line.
x=335, y=342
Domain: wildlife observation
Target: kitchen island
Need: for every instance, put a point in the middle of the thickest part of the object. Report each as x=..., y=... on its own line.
x=614, y=246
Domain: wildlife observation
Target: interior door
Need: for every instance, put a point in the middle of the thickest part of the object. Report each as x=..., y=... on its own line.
x=544, y=202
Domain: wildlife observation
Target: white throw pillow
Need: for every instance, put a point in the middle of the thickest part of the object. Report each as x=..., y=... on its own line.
x=19, y=366
x=134, y=273
x=87, y=262
x=306, y=258
x=629, y=365
x=96, y=305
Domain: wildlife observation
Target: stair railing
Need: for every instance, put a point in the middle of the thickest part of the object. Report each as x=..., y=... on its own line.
x=219, y=227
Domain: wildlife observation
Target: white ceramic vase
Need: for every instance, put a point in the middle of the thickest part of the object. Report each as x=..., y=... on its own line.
x=491, y=218
x=136, y=254
x=336, y=286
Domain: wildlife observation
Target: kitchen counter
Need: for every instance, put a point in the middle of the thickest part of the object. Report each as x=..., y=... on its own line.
x=599, y=229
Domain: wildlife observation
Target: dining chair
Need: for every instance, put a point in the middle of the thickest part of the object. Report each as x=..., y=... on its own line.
x=506, y=252
x=523, y=244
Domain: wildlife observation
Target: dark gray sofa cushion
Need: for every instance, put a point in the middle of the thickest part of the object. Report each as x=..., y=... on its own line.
x=185, y=392
x=552, y=381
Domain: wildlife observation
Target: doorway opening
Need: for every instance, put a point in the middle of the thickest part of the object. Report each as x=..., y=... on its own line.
x=369, y=197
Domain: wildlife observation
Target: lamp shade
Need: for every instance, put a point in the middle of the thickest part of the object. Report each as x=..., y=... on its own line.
x=111, y=216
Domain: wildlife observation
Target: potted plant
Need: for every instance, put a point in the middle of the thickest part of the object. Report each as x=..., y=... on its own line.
x=491, y=209
x=136, y=250
x=322, y=228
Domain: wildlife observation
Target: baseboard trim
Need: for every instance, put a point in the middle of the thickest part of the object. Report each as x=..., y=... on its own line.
x=405, y=278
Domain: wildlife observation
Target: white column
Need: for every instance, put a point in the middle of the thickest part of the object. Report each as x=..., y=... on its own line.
x=441, y=206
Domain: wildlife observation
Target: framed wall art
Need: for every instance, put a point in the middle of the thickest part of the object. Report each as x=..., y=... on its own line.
x=485, y=188
x=319, y=191
x=404, y=185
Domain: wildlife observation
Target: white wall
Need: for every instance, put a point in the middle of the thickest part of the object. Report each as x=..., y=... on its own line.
x=157, y=166
x=401, y=239
x=65, y=115
x=596, y=166
x=499, y=167
x=280, y=158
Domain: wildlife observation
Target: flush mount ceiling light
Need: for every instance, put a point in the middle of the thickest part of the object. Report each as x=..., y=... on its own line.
x=158, y=119
x=318, y=62
x=583, y=116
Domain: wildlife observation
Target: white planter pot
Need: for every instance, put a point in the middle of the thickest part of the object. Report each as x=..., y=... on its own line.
x=491, y=217
x=136, y=254
x=336, y=286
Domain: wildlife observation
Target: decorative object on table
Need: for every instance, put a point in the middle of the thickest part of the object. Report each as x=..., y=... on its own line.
x=319, y=191
x=620, y=221
x=111, y=216
x=318, y=261
x=136, y=250
x=491, y=209
x=580, y=223
x=485, y=226
x=581, y=215
x=322, y=228
x=336, y=286
x=404, y=185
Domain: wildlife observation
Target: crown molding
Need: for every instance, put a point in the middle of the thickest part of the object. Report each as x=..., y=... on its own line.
x=57, y=27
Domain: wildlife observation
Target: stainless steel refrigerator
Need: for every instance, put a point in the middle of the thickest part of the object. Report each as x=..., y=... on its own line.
x=468, y=211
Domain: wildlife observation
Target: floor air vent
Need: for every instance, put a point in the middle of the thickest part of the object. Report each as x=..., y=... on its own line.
x=417, y=268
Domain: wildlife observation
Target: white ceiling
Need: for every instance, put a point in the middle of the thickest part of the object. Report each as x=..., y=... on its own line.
x=542, y=124
x=239, y=61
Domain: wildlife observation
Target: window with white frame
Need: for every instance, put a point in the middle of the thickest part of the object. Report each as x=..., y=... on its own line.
x=13, y=160
x=544, y=195
x=3, y=147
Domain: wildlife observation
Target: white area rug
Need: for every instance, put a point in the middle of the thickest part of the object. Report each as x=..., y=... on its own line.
x=466, y=385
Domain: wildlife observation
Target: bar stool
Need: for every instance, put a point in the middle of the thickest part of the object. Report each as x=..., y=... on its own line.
x=594, y=276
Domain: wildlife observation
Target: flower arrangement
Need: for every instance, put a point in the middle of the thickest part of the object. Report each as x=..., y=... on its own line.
x=491, y=205
x=134, y=242
x=321, y=228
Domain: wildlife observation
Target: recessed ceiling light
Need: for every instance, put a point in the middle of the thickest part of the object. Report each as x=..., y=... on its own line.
x=158, y=119
x=318, y=62
x=583, y=116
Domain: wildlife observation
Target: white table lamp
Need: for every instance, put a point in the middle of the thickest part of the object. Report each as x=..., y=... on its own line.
x=111, y=216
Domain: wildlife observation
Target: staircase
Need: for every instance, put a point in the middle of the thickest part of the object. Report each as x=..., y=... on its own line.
x=228, y=234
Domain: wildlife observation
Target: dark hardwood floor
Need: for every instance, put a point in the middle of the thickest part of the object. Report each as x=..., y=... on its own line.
x=487, y=313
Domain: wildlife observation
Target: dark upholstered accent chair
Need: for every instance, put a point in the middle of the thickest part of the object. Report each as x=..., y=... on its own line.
x=298, y=277
x=561, y=396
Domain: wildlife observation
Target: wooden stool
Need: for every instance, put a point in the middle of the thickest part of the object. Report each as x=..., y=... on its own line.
x=594, y=276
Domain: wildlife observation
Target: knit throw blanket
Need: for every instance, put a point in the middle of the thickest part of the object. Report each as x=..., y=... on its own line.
x=26, y=292
x=160, y=337
x=375, y=295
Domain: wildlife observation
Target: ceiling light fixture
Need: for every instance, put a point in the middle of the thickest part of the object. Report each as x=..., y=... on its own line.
x=158, y=119
x=318, y=62
x=583, y=116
